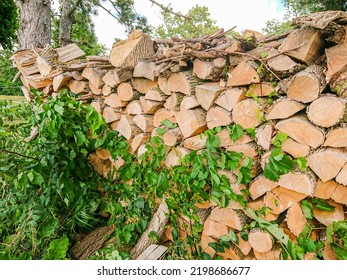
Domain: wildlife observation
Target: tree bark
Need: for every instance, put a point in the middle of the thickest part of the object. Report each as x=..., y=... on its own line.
x=35, y=23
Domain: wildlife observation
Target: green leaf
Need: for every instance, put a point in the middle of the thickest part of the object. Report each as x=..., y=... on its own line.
x=279, y=139
x=217, y=247
x=321, y=204
x=251, y=132
x=57, y=249
x=302, y=163
x=235, y=131
x=48, y=228
x=215, y=177
x=277, y=165
x=160, y=131
x=307, y=209
x=168, y=124
x=80, y=138
x=341, y=253
x=59, y=109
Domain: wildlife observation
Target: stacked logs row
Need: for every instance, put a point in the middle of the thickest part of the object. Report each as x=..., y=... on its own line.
x=295, y=84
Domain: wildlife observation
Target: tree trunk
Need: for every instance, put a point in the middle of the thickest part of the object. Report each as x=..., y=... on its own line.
x=66, y=21
x=35, y=23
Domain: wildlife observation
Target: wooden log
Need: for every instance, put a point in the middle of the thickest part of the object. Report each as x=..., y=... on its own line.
x=143, y=85
x=243, y=74
x=326, y=217
x=260, y=186
x=263, y=135
x=157, y=224
x=134, y=108
x=163, y=85
x=325, y=190
x=173, y=137
x=260, y=240
x=149, y=107
x=173, y=102
x=197, y=142
x=175, y=156
x=152, y=252
x=230, y=97
x=94, y=76
x=106, y=90
x=307, y=85
x=163, y=114
x=261, y=89
x=295, y=149
x=126, y=92
x=95, y=90
x=207, y=93
x=189, y=102
x=43, y=65
x=327, y=111
x=296, y=220
x=274, y=254
x=248, y=149
x=77, y=75
x=234, y=219
x=328, y=252
x=248, y=114
x=36, y=81
x=259, y=204
x=283, y=108
x=103, y=153
x=138, y=141
x=145, y=123
x=298, y=182
x=302, y=130
x=96, y=105
x=217, y=116
x=339, y=195
x=61, y=80
x=191, y=122
x=126, y=54
x=114, y=101
x=342, y=175
x=305, y=44
x=155, y=94
x=78, y=86
x=110, y=115
x=145, y=69
x=127, y=128
x=183, y=82
x=209, y=70
x=326, y=163
x=108, y=79
x=281, y=63
x=69, y=52
x=336, y=138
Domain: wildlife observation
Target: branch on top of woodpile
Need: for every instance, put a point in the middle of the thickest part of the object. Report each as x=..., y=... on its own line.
x=168, y=10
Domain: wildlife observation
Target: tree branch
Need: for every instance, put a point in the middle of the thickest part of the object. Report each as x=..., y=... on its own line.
x=17, y=154
x=74, y=7
x=166, y=9
x=108, y=11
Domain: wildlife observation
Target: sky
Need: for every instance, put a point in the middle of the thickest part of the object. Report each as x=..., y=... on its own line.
x=244, y=14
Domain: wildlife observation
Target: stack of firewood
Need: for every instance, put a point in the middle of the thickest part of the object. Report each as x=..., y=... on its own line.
x=295, y=84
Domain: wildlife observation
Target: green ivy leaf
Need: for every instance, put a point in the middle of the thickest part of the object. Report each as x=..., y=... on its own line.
x=59, y=109
x=279, y=139
x=251, y=132
x=307, y=209
x=235, y=131
x=321, y=204
x=168, y=124
x=160, y=131
x=48, y=227
x=302, y=163
x=217, y=247
x=80, y=138
x=57, y=249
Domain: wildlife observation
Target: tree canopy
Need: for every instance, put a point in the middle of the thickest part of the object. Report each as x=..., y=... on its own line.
x=8, y=23
x=300, y=7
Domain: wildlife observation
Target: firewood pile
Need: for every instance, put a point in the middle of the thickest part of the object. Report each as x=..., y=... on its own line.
x=294, y=84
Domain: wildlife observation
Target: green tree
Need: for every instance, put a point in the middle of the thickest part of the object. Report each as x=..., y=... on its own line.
x=195, y=23
x=301, y=7
x=8, y=23
x=7, y=74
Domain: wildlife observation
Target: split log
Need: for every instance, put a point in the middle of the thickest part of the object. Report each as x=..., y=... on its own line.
x=96, y=105
x=191, y=122
x=152, y=252
x=106, y=90
x=149, y=107
x=261, y=89
x=248, y=150
x=281, y=63
x=259, y=204
x=173, y=137
x=61, y=80
x=296, y=220
x=298, y=182
x=340, y=194
x=69, y=52
x=342, y=176
x=196, y=142
x=307, y=85
x=325, y=190
x=225, y=140
x=209, y=70
x=157, y=224
x=43, y=65
x=36, y=81
x=248, y=114
x=103, y=153
x=260, y=240
x=127, y=128
x=134, y=108
x=114, y=101
x=243, y=74
x=183, y=82
x=326, y=217
x=263, y=136
x=77, y=75
x=163, y=85
x=260, y=186
x=78, y=86
x=137, y=141
x=234, y=219
x=145, y=123
x=111, y=115
x=328, y=252
x=283, y=108
x=274, y=254
x=126, y=92
x=173, y=102
x=326, y=163
x=95, y=90
x=175, y=156
x=155, y=94
x=207, y=93
x=94, y=76
x=327, y=111
x=230, y=97
x=302, y=131
x=145, y=69
x=295, y=149
x=188, y=103
x=143, y=85
x=305, y=44
x=217, y=116
x=336, y=138
x=163, y=114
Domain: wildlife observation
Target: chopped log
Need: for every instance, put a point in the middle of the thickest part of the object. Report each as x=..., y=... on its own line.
x=302, y=131
x=155, y=95
x=188, y=103
x=260, y=240
x=114, y=101
x=226, y=141
x=61, y=80
x=69, y=52
x=143, y=85
x=96, y=105
x=260, y=186
x=145, y=123
x=307, y=85
x=296, y=220
x=95, y=90
x=163, y=114
x=328, y=252
x=191, y=122
x=126, y=93
x=172, y=137
x=295, y=149
x=126, y=54
x=163, y=85
x=109, y=80
x=175, y=156
x=127, y=128
x=94, y=76
x=217, y=116
x=259, y=204
x=274, y=254
x=106, y=90
x=325, y=190
x=320, y=111
x=340, y=194
x=77, y=75
x=149, y=107
x=230, y=97
x=234, y=219
x=145, y=69
x=173, y=102
x=326, y=217
x=336, y=138
x=25, y=61
x=183, y=82
x=248, y=149
x=43, y=65
x=263, y=136
x=196, y=142
x=121, y=75
x=231, y=253
x=157, y=224
x=243, y=74
x=283, y=108
x=261, y=89
x=110, y=115
x=298, y=182
x=137, y=141
x=134, y=108
x=248, y=114
x=305, y=44
x=280, y=199
x=209, y=70
x=36, y=81
x=153, y=252
x=78, y=86
x=207, y=93
x=326, y=163
x=103, y=153
x=342, y=176
x=281, y=63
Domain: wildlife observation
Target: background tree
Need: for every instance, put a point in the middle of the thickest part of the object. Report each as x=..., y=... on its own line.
x=8, y=23
x=301, y=7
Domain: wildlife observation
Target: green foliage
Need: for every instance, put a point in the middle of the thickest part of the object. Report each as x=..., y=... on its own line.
x=108, y=253
x=7, y=74
x=337, y=237
x=8, y=23
x=195, y=23
x=277, y=165
x=57, y=249
x=302, y=7
x=275, y=26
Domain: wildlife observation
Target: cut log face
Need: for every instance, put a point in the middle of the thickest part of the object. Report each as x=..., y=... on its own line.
x=243, y=74
x=327, y=111
x=134, y=108
x=299, y=182
x=138, y=140
x=340, y=194
x=44, y=67
x=145, y=69
x=143, y=85
x=145, y=123
x=110, y=115
x=183, y=82
x=188, y=103
x=295, y=149
x=249, y=149
x=280, y=63
x=197, y=142
x=327, y=217
x=296, y=220
x=336, y=138
x=260, y=186
x=248, y=114
x=274, y=254
x=127, y=128
x=302, y=131
x=283, y=108
x=155, y=95
x=307, y=85
x=342, y=176
x=225, y=140
x=69, y=52
x=336, y=62
x=163, y=85
x=173, y=137
x=150, y=107
x=163, y=114
x=207, y=93
x=126, y=93
x=217, y=116
x=260, y=240
x=175, y=156
x=262, y=89
x=209, y=70
x=325, y=190
x=234, y=219
x=191, y=122
x=78, y=86
x=230, y=97
x=61, y=80
x=326, y=163
x=109, y=80
x=173, y=102
x=114, y=101
x=305, y=45
x=264, y=135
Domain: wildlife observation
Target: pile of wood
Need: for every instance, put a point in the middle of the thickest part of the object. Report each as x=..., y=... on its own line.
x=295, y=84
